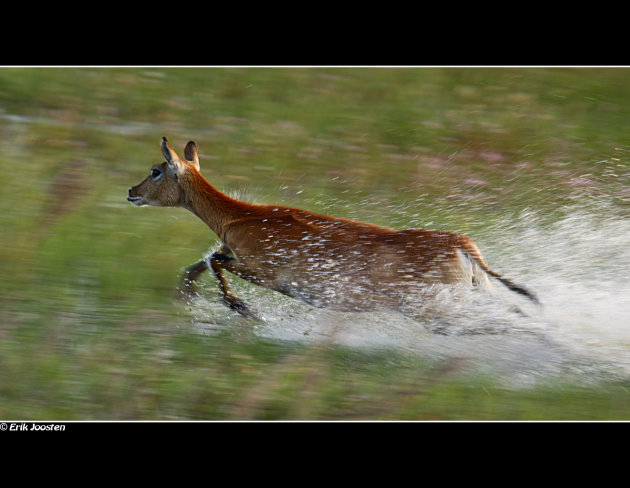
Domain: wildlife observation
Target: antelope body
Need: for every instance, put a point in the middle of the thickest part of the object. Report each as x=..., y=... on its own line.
x=322, y=260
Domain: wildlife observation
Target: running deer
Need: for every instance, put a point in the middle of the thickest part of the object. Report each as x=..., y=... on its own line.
x=322, y=260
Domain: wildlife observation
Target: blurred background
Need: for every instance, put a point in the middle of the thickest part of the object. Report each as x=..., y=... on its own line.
x=532, y=163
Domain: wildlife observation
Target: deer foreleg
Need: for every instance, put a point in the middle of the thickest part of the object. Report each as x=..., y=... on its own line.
x=218, y=263
x=192, y=273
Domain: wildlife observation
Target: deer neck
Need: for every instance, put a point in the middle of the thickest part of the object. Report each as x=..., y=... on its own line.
x=214, y=208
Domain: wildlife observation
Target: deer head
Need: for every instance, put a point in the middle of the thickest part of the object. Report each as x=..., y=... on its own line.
x=163, y=187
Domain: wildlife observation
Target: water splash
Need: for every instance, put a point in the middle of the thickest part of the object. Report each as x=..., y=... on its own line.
x=581, y=269
x=579, y=266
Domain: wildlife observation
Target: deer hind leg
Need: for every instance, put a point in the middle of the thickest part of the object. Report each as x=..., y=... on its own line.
x=470, y=272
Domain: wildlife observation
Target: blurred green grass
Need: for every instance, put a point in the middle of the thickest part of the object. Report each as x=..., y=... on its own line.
x=90, y=325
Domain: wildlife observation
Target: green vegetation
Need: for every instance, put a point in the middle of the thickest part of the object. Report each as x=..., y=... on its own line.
x=91, y=326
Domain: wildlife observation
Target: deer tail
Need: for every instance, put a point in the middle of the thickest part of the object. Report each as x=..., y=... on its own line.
x=474, y=255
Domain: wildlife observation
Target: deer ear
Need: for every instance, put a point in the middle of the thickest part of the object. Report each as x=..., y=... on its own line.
x=191, y=154
x=171, y=158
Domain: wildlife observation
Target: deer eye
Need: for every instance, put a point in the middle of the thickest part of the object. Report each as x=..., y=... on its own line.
x=155, y=173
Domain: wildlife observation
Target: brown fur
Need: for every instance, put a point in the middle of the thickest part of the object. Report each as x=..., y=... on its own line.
x=326, y=261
